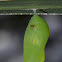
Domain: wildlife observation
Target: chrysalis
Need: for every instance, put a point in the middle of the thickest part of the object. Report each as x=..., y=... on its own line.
x=35, y=39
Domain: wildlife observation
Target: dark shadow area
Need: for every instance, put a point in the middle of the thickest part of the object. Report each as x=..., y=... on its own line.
x=12, y=29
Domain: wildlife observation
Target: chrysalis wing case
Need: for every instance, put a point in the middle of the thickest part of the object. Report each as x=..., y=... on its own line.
x=35, y=39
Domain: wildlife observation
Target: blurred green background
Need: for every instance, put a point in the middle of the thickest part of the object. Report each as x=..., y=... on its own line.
x=45, y=6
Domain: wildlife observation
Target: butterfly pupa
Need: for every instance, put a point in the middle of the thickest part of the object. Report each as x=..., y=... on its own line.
x=35, y=39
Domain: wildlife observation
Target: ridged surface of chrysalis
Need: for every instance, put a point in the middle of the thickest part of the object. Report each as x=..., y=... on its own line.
x=35, y=39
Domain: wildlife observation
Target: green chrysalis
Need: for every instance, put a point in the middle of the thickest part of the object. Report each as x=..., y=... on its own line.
x=35, y=39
